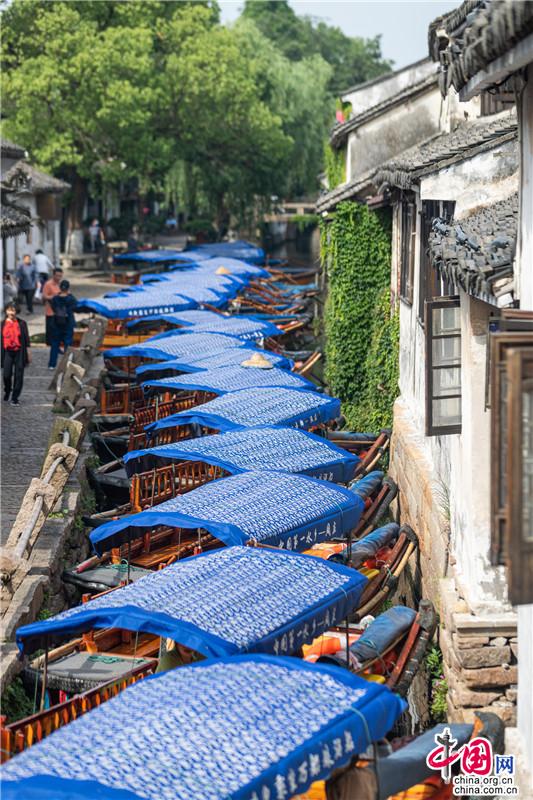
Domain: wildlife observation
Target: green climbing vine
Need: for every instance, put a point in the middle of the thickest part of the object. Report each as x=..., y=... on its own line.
x=361, y=332
x=334, y=166
x=16, y=703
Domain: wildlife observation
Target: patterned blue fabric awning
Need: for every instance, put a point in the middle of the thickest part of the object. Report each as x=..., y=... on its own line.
x=239, y=249
x=201, y=321
x=241, y=728
x=138, y=304
x=249, y=407
x=234, y=265
x=220, y=603
x=226, y=358
x=174, y=291
x=274, y=508
x=161, y=256
x=178, y=345
x=255, y=449
x=229, y=379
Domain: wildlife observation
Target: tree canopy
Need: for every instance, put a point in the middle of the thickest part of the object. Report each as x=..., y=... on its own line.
x=102, y=92
x=353, y=59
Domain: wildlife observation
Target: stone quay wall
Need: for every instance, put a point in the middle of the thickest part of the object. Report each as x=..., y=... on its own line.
x=479, y=650
x=30, y=574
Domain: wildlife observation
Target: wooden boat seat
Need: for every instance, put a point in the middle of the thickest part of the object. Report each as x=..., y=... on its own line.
x=152, y=559
x=104, y=576
x=79, y=671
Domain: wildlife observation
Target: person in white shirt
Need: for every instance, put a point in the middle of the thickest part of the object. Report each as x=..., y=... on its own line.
x=43, y=265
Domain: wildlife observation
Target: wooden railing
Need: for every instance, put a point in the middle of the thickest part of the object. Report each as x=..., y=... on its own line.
x=18, y=736
x=163, y=483
x=122, y=399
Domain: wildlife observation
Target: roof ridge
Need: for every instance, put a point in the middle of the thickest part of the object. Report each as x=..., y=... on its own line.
x=340, y=130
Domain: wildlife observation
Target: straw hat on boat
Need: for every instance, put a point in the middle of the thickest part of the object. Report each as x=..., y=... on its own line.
x=222, y=271
x=257, y=360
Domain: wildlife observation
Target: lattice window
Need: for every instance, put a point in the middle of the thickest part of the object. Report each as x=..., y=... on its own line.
x=443, y=366
x=430, y=283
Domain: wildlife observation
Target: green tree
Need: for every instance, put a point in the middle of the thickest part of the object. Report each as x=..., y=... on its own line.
x=78, y=97
x=212, y=106
x=297, y=92
x=353, y=59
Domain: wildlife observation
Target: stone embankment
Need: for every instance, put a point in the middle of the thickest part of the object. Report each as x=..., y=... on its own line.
x=479, y=650
x=45, y=534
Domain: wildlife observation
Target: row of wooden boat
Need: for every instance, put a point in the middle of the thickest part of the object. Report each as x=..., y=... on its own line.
x=240, y=527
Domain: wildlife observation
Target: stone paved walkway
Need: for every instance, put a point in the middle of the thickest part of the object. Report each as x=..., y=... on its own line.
x=25, y=430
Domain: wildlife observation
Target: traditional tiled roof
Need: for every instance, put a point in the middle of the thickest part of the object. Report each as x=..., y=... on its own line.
x=380, y=78
x=477, y=252
x=10, y=149
x=341, y=131
x=346, y=191
x=41, y=182
x=13, y=220
x=470, y=37
x=469, y=139
x=404, y=170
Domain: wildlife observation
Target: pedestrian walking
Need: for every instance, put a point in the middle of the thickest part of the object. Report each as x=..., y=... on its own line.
x=96, y=236
x=50, y=290
x=16, y=353
x=43, y=265
x=63, y=305
x=9, y=289
x=27, y=280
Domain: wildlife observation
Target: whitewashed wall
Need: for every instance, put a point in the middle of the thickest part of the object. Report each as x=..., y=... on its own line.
x=394, y=131
x=462, y=461
x=372, y=93
x=44, y=235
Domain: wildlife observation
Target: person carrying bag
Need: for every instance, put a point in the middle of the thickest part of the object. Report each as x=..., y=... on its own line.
x=63, y=305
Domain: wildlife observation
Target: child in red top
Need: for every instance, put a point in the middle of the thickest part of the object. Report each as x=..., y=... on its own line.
x=16, y=353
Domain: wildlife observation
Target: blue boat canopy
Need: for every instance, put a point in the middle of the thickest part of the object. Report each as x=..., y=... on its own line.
x=234, y=265
x=239, y=249
x=272, y=508
x=137, y=304
x=161, y=256
x=201, y=321
x=220, y=603
x=255, y=449
x=239, y=728
x=173, y=292
x=257, y=406
x=229, y=379
x=226, y=358
x=178, y=345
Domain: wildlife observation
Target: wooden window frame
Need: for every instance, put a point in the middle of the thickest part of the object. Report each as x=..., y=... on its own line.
x=435, y=286
x=430, y=306
x=407, y=248
x=513, y=330
x=520, y=555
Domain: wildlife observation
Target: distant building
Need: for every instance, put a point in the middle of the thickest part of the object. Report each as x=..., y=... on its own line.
x=29, y=192
x=13, y=219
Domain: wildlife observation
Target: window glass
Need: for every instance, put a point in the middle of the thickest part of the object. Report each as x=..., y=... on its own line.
x=446, y=412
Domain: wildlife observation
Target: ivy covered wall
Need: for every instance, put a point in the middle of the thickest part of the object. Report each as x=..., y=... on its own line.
x=361, y=333
x=334, y=166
